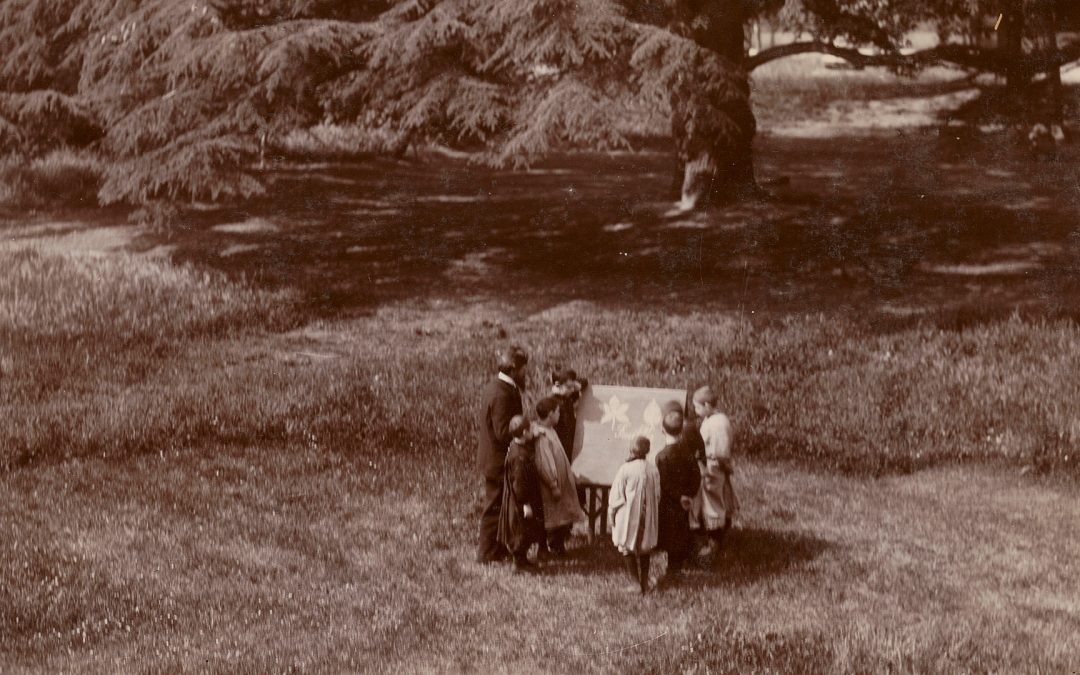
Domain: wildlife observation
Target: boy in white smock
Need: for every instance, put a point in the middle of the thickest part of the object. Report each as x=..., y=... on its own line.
x=633, y=510
x=715, y=506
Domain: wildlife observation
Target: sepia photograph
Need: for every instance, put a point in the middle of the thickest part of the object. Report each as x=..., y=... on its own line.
x=539, y=336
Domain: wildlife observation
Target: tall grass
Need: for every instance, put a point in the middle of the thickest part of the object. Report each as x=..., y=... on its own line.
x=125, y=355
x=92, y=349
x=62, y=178
x=286, y=496
x=124, y=299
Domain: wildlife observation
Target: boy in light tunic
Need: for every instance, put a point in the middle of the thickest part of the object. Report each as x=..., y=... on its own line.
x=715, y=506
x=633, y=508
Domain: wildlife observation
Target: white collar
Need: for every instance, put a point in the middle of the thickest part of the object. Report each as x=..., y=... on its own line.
x=669, y=439
x=507, y=379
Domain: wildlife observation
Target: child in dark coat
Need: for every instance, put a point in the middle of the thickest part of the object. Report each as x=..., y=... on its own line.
x=521, y=519
x=566, y=387
x=680, y=480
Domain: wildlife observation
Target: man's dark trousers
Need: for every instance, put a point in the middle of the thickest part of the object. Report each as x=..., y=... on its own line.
x=501, y=401
x=490, y=549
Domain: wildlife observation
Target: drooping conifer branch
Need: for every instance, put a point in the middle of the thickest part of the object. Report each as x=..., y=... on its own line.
x=180, y=96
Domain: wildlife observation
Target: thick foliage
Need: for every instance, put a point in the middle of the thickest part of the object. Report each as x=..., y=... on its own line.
x=184, y=96
x=44, y=120
x=181, y=98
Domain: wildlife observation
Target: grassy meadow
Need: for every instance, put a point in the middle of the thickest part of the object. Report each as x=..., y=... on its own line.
x=220, y=486
x=246, y=444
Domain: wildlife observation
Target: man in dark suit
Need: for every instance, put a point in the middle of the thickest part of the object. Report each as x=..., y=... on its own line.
x=501, y=402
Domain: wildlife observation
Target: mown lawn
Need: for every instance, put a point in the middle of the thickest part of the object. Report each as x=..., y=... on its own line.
x=287, y=558
x=255, y=455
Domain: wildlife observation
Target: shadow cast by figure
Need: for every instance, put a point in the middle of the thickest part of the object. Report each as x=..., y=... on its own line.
x=581, y=557
x=747, y=556
x=751, y=554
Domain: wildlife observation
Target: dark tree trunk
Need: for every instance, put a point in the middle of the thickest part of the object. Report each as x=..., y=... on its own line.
x=1011, y=45
x=1043, y=26
x=715, y=163
x=1055, y=99
x=722, y=29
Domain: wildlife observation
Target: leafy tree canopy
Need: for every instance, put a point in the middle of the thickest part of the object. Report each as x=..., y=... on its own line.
x=181, y=96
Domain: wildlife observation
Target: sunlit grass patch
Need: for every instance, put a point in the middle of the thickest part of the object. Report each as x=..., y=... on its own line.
x=125, y=298
x=802, y=88
x=91, y=350
x=336, y=140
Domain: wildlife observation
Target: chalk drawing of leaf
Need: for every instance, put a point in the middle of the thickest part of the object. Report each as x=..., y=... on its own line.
x=615, y=412
x=652, y=416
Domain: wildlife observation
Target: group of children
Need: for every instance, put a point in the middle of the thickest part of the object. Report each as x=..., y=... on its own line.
x=662, y=506
x=540, y=498
x=659, y=505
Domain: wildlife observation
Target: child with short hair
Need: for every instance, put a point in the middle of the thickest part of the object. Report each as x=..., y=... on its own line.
x=521, y=518
x=680, y=480
x=716, y=505
x=557, y=486
x=633, y=511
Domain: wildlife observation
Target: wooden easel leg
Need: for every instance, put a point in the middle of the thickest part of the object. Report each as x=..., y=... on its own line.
x=590, y=493
x=603, y=510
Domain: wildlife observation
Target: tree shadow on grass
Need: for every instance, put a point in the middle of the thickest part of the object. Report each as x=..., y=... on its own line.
x=897, y=230
x=748, y=555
